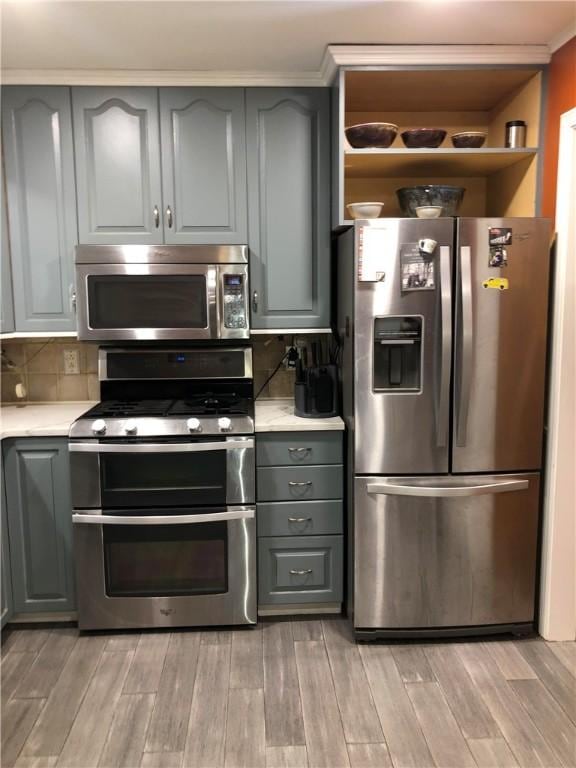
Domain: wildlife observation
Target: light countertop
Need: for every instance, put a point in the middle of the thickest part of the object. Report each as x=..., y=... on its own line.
x=55, y=419
x=278, y=416
x=40, y=419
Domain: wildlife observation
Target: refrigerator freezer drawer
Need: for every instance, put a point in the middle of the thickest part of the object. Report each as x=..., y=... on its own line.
x=439, y=552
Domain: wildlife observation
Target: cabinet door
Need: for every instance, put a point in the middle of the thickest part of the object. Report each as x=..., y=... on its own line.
x=38, y=152
x=40, y=524
x=6, y=586
x=204, y=165
x=117, y=145
x=7, y=308
x=289, y=218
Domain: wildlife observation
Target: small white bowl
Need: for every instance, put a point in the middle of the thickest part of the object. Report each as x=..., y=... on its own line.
x=364, y=210
x=429, y=211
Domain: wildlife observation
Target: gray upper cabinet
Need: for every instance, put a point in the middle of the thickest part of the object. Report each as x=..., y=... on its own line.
x=7, y=308
x=203, y=165
x=288, y=144
x=40, y=523
x=116, y=133
x=39, y=164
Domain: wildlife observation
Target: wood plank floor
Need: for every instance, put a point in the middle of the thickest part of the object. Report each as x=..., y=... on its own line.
x=287, y=693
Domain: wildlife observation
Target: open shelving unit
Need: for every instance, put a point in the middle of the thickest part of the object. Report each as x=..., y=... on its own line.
x=498, y=181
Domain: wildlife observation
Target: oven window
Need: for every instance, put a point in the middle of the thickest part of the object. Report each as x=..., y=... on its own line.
x=164, y=479
x=147, y=301
x=166, y=560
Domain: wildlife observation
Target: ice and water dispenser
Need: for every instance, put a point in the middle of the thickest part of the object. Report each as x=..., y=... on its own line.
x=397, y=355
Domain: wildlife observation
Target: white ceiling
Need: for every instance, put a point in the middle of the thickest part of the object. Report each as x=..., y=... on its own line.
x=266, y=36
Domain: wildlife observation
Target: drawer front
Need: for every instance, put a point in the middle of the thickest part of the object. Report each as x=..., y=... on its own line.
x=300, y=518
x=299, y=483
x=286, y=449
x=305, y=569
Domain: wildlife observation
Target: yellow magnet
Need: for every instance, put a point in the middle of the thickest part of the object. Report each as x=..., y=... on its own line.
x=496, y=282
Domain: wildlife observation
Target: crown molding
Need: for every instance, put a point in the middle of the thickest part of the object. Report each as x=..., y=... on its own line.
x=562, y=38
x=422, y=55
x=133, y=77
x=335, y=56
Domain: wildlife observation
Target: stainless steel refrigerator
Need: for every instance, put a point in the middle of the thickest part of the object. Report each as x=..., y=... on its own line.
x=443, y=325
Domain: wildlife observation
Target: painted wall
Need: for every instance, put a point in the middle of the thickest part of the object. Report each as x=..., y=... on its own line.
x=561, y=98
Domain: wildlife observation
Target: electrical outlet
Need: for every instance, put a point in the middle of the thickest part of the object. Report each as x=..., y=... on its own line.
x=290, y=365
x=71, y=361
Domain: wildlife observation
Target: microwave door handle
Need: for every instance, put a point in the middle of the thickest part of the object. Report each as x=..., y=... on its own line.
x=227, y=445
x=95, y=517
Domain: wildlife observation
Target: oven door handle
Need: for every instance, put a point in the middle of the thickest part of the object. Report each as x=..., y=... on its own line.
x=96, y=517
x=227, y=445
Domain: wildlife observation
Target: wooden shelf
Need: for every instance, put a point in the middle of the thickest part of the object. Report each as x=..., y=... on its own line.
x=376, y=163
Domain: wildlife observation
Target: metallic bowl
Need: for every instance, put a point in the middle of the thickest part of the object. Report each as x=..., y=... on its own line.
x=371, y=135
x=418, y=138
x=468, y=139
x=450, y=198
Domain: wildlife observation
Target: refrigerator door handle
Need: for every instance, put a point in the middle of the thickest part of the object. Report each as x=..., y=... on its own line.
x=446, y=334
x=467, y=334
x=403, y=488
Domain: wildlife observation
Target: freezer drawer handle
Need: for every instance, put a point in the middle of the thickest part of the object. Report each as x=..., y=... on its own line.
x=302, y=572
x=299, y=519
x=299, y=484
x=97, y=518
x=397, y=489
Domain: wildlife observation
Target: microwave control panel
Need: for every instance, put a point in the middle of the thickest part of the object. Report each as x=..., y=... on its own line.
x=234, y=301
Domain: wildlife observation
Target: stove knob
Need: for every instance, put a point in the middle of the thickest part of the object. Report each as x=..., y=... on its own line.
x=225, y=424
x=99, y=427
x=194, y=425
x=131, y=427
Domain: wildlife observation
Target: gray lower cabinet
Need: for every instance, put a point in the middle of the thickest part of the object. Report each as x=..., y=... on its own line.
x=37, y=477
x=300, y=520
x=41, y=197
x=203, y=139
x=302, y=569
x=288, y=145
x=6, y=609
x=117, y=148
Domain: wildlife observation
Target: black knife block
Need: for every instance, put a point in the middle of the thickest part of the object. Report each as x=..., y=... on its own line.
x=317, y=396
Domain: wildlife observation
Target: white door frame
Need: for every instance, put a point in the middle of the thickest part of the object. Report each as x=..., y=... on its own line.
x=558, y=578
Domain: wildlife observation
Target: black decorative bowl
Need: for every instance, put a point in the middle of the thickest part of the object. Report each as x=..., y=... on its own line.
x=423, y=138
x=449, y=198
x=371, y=135
x=468, y=139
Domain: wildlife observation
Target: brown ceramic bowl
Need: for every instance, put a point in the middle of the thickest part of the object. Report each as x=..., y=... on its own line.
x=371, y=135
x=468, y=139
x=423, y=138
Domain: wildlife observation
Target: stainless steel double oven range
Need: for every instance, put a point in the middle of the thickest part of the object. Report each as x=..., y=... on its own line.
x=163, y=467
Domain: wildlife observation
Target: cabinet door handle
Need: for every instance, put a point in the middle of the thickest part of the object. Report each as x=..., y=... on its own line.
x=255, y=301
x=299, y=519
x=299, y=484
x=72, y=299
x=303, y=572
x=169, y=217
x=156, y=217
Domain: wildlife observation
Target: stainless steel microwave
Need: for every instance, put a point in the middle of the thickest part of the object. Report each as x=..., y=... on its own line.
x=147, y=293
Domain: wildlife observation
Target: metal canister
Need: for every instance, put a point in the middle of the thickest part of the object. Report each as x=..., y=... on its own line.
x=515, y=134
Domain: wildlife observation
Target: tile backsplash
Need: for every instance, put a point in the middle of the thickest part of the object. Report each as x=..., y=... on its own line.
x=39, y=366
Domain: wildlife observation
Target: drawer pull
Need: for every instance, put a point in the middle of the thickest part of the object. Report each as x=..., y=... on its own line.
x=299, y=519
x=295, y=572
x=298, y=450
x=299, y=484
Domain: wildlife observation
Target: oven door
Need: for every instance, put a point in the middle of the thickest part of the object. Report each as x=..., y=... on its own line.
x=152, y=568
x=131, y=474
